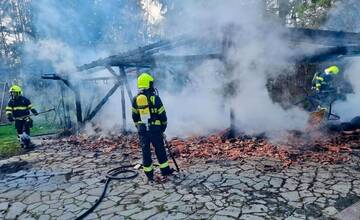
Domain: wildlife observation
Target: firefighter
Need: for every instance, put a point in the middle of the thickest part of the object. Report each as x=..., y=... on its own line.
x=18, y=110
x=149, y=116
x=325, y=85
x=326, y=79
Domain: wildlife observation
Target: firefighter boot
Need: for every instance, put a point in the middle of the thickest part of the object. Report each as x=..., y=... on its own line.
x=150, y=175
x=167, y=171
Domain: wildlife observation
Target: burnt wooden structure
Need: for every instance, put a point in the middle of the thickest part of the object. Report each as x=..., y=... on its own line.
x=331, y=45
x=117, y=65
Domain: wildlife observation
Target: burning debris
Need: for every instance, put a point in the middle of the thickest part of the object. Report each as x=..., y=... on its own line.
x=104, y=144
x=297, y=148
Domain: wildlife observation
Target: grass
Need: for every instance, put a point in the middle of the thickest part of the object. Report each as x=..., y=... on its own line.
x=9, y=145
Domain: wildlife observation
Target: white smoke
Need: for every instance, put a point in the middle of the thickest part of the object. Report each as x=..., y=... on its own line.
x=58, y=53
x=345, y=16
x=350, y=108
x=198, y=108
x=259, y=52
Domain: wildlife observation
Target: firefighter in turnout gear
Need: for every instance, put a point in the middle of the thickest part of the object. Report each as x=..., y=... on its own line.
x=150, y=119
x=325, y=85
x=18, y=110
x=325, y=80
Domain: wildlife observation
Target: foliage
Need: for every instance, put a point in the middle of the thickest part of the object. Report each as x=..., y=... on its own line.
x=14, y=32
x=302, y=13
x=8, y=141
x=9, y=145
x=312, y=13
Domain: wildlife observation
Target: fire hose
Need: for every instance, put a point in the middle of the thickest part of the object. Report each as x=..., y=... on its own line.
x=39, y=113
x=111, y=175
x=23, y=117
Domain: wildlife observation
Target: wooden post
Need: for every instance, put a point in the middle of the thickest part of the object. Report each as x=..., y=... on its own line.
x=126, y=82
x=62, y=103
x=126, y=85
x=122, y=78
x=123, y=107
x=229, y=87
x=66, y=110
x=103, y=101
x=77, y=100
x=75, y=91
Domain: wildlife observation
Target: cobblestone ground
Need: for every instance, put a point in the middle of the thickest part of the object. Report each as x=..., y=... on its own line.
x=62, y=182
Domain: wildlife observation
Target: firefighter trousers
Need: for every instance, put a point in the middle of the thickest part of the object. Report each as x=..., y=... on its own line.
x=23, y=126
x=157, y=141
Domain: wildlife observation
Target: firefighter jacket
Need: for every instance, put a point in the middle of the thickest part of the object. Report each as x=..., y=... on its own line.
x=323, y=81
x=19, y=107
x=148, y=112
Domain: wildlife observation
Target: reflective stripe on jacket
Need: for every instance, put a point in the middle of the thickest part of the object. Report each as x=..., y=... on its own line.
x=19, y=107
x=322, y=81
x=148, y=112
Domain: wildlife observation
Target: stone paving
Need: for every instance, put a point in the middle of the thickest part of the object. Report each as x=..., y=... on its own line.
x=62, y=182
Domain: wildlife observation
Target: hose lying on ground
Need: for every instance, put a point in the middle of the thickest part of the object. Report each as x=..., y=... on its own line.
x=111, y=175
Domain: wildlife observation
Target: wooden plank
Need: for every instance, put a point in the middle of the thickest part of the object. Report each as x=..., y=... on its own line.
x=74, y=89
x=103, y=101
x=136, y=52
x=124, y=77
x=328, y=54
x=123, y=108
x=323, y=37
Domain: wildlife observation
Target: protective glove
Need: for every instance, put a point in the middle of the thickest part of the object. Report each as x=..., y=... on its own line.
x=316, y=89
x=34, y=111
x=10, y=118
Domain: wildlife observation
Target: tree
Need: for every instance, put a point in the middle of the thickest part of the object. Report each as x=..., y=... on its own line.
x=15, y=29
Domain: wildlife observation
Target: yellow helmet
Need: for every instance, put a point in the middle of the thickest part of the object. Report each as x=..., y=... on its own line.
x=332, y=70
x=15, y=89
x=144, y=81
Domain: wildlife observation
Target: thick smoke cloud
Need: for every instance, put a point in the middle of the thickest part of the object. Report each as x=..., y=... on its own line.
x=60, y=55
x=200, y=106
x=71, y=33
x=350, y=108
x=346, y=17
x=258, y=53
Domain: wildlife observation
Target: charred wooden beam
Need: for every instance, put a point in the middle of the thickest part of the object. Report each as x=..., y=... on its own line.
x=123, y=78
x=103, y=101
x=328, y=54
x=227, y=44
x=126, y=82
x=151, y=60
x=123, y=108
x=187, y=58
x=72, y=88
x=139, y=52
x=323, y=37
x=113, y=72
x=105, y=78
